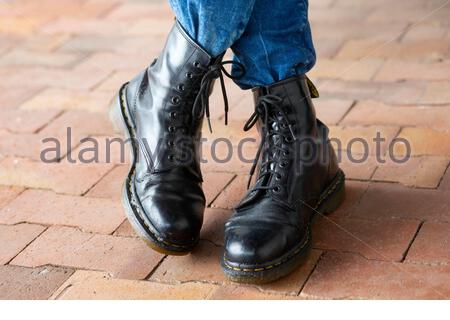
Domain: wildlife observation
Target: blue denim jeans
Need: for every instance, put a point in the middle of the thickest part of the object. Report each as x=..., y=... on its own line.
x=272, y=39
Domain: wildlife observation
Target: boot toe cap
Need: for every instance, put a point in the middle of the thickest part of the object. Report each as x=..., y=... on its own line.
x=254, y=246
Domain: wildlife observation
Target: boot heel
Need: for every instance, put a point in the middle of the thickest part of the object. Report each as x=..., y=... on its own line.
x=335, y=199
x=115, y=115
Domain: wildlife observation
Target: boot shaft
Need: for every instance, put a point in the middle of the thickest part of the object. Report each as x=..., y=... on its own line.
x=161, y=103
x=295, y=157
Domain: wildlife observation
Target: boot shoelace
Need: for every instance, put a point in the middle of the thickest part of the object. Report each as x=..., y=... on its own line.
x=201, y=102
x=215, y=71
x=270, y=110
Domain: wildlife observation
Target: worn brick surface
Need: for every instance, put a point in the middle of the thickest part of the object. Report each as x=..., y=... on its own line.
x=204, y=264
x=25, y=121
x=214, y=224
x=400, y=93
x=436, y=93
x=331, y=111
x=112, y=149
x=362, y=140
x=432, y=244
x=423, y=141
x=427, y=50
x=53, y=77
x=233, y=132
x=90, y=251
x=346, y=69
x=16, y=237
x=125, y=230
x=350, y=276
x=18, y=283
x=44, y=43
x=90, y=123
x=81, y=27
x=61, y=62
x=226, y=158
x=7, y=194
x=131, y=10
x=357, y=166
x=34, y=145
x=97, y=285
x=232, y=194
x=404, y=70
x=61, y=99
x=33, y=58
x=132, y=64
x=354, y=190
x=445, y=182
x=242, y=292
x=60, y=177
x=108, y=43
x=110, y=186
x=386, y=239
x=423, y=172
x=48, y=208
x=386, y=200
x=214, y=183
x=372, y=112
x=13, y=97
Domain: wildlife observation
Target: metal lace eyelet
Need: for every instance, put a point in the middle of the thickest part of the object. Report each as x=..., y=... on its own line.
x=170, y=143
x=286, y=152
x=189, y=75
x=175, y=100
x=171, y=129
x=276, y=189
x=171, y=157
x=181, y=87
x=282, y=164
x=173, y=114
x=289, y=139
x=278, y=176
x=196, y=64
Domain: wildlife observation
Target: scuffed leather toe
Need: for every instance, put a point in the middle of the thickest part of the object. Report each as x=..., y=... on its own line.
x=254, y=237
x=176, y=216
x=254, y=246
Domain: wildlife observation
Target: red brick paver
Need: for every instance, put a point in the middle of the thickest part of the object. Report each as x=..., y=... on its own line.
x=348, y=276
x=90, y=251
x=60, y=177
x=62, y=61
x=16, y=238
x=386, y=239
x=432, y=244
x=97, y=285
x=46, y=207
x=27, y=283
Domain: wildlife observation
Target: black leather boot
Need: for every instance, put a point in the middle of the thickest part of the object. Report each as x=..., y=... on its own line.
x=269, y=234
x=161, y=111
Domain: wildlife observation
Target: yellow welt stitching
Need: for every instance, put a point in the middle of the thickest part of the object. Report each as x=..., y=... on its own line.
x=270, y=266
x=122, y=103
x=329, y=190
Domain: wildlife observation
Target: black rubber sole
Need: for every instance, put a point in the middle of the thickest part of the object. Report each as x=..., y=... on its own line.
x=119, y=117
x=331, y=199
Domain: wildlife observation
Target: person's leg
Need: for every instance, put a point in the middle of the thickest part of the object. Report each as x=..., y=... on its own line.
x=297, y=177
x=276, y=43
x=214, y=24
x=162, y=109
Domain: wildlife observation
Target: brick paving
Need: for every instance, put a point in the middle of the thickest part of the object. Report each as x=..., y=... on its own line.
x=62, y=228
